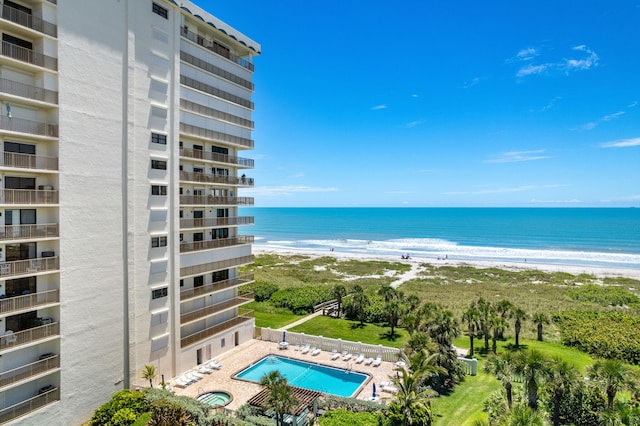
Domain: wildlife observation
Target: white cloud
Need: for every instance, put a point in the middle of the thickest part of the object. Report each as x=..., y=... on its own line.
x=527, y=54
x=623, y=143
x=613, y=116
x=632, y=104
x=503, y=190
x=414, y=123
x=593, y=124
x=584, y=63
x=377, y=107
x=587, y=59
x=548, y=106
x=415, y=96
x=518, y=156
x=471, y=83
x=285, y=190
x=532, y=69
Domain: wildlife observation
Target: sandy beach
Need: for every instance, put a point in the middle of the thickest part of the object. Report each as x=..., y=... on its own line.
x=417, y=261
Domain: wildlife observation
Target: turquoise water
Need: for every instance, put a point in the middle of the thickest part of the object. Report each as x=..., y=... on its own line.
x=306, y=375
x=215, y=398
x=577, y=236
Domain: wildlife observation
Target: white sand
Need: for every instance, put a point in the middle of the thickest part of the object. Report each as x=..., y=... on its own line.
x=417, y=261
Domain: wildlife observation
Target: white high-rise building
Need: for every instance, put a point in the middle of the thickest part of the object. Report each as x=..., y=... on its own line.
x=123, y=124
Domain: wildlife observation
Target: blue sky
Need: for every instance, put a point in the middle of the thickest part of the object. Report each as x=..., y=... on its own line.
x=452, y=103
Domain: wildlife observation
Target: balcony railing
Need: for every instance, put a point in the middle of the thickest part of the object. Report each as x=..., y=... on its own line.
x=201, y=132
x=28, y=91
x=21, y=373
x=215, y=48
x=240, y=300
x=204, y=268
x=27, y=20
x=23, y=54
x=209, y=67
x=210, y=200
x=211, y=178
x=28, y=232
x=28, y=301
x=215, y=221
x=32, y=404
x=28, y=196
x=217, y=286
x=215, y=91
x=214, y=156
x=243, y=317
x=214, y=244
x=215, y=113
x=29, y=266
x=28, y=126
x=28, y=161
x=25, y=337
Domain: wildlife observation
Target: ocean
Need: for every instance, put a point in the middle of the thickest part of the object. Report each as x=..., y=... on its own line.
x=603, y=237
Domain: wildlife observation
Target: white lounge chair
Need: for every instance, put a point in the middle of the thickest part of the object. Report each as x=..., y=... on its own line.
x=347, y=357
x=203, y=369
x=368, y=361
x=186, y=379
x=335, y=355
x=179, y=383
x=388, y=388
x=193, y=376
x=377, y=361
x=360, y=358
x=213, y=364
x=316, y=351
x=305, y=349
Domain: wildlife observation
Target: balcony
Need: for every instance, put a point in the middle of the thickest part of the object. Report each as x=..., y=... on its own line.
x=21, y=125
x=243, y=317
x=204, y=268
x=210, y=68
x=28, y=91
x=207, y=311
x=28, y=301
x=29, y=266
x=214, y=244
x=28, y=161
x=23, y=54
x=27, y=20
x=214, y=113
x=28, y=232
x=192, y=293
x=28, y=196
x=24, y=337
x=30, y=405
x=210, y=200
x=26, y=371
x=212, y=135
x=215, y=48
x=211, y=178
x=215, y=157
x=215, y=221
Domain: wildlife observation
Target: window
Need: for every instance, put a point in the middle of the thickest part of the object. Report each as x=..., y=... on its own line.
x=181, y=283
x=198, y=281
x=220, y=150
x=159, y=10
x=158, y=190
x=158, y=138
x=158, y=242
x=159, y=292
x=220, y=233
x=159, y=164
x=220, y=276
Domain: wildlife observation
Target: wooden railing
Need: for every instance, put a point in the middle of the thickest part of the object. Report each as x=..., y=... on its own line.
x=28, y=196
x=214, y=156
x=240, y=300
x=28, y=161
x=219, y=265
x=29, y=335
x=28, y=91
x=28, y=232
x=214, y=244
x=23, y=54
x=217, y=286
x=28, y=20
x=29, y=266
x=243, y=317
x=32, y=404
x=24, y=372
x=212, y=178
x=28, y=126
x=216, y=221
x=28, y=301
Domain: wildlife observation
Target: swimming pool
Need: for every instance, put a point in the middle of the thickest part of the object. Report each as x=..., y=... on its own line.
x=215, y=398
x=306, y=375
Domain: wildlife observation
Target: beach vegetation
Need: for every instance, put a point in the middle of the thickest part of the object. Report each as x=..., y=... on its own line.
x=149, y=373
x=343, y=417
x=605, y=296
x=301, y=300
x=262, y=291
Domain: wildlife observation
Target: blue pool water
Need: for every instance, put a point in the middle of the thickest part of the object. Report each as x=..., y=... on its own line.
x=306, y=375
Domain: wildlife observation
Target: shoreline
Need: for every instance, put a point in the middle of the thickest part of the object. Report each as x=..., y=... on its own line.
x=598, y=271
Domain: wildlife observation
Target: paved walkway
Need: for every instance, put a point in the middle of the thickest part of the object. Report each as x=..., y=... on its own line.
x=301, y=320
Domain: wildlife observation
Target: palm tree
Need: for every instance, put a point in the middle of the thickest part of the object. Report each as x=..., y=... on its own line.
x=532, y=366
x=539, y=319
x=485, y=313
x=503, y=309
x=149, y=373
x=387, y=292
x=411, y=405
x=394, y=309
x=561, y=377
x=498, y=324
x=359, y=301
x=523, y=416
x=410, y=320
x=339, y=292
x=470, y=318
x=503, y=367
x=519, y=315
x=280, y=399
x=614, y=376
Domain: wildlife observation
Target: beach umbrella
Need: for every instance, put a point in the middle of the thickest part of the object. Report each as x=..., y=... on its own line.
x=374, y=390
x=284, y=336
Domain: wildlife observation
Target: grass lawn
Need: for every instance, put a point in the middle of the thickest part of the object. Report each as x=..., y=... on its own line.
x=350, y=330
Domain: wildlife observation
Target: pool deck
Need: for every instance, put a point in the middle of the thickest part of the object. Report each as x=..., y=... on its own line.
x=248, y=353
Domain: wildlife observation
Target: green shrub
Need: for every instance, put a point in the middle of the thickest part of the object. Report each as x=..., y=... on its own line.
x=605, y=296
x=301, y=300
x=343, y=417
x=198, y=412
x=262, y=291
x=121, y=403
x=332, y=402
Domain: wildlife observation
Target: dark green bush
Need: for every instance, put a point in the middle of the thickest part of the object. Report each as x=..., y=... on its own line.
x=301, y=300
x=118, y=410
x=605, y=296
x=263, y=291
